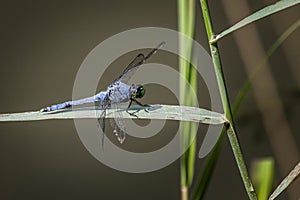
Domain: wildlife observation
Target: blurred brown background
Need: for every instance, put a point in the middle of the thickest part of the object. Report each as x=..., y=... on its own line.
x=42, y=46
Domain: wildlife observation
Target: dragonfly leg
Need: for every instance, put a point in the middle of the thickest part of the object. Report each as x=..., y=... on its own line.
x=139, y=103
x=127, y=109
x=143, y=105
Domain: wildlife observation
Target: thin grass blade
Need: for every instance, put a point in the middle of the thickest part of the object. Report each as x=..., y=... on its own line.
x=269, y=10
x=168, y=112
x=286, y=182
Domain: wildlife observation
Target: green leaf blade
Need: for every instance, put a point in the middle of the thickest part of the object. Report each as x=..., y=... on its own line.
x=263, y=176
x=269, y=10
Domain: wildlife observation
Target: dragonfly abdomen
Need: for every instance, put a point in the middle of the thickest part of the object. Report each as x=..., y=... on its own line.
x=57, y=106
x=100, y=97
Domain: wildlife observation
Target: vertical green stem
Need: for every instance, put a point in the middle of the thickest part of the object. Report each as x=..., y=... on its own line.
x=186, y=17
x=226, y=105
x=211, y=159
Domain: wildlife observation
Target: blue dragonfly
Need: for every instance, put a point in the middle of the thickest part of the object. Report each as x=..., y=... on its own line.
x=117, y=92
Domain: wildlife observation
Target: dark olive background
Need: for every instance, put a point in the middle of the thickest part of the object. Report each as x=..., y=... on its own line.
x=42, y=46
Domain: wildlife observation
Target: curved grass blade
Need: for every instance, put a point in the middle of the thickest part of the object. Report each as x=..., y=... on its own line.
x=168, y=112
x=269, y=10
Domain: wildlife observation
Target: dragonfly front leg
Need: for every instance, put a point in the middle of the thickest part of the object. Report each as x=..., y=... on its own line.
x=143, y=105
x=139, y=103
x=127, y=109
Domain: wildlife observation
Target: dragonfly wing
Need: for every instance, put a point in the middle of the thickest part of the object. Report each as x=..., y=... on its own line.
x=153, y=51
x=134, y=65
x=131, y=68
x=118, y=123
x=101, y=121
x=120, y=134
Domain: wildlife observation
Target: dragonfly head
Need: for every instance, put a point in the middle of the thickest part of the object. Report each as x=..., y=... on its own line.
x=139, y=92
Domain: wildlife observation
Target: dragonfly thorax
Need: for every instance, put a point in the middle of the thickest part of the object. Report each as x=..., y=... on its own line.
x=119, y=92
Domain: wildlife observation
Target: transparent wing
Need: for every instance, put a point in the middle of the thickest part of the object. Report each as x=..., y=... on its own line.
x=118, y=123
x=134, y=65
x=131, y=68
x=101, y=121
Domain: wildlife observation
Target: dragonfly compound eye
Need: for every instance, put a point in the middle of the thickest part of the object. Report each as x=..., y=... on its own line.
x=140, y=92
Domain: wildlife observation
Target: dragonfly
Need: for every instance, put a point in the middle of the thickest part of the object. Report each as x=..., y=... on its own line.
x=117, y=92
